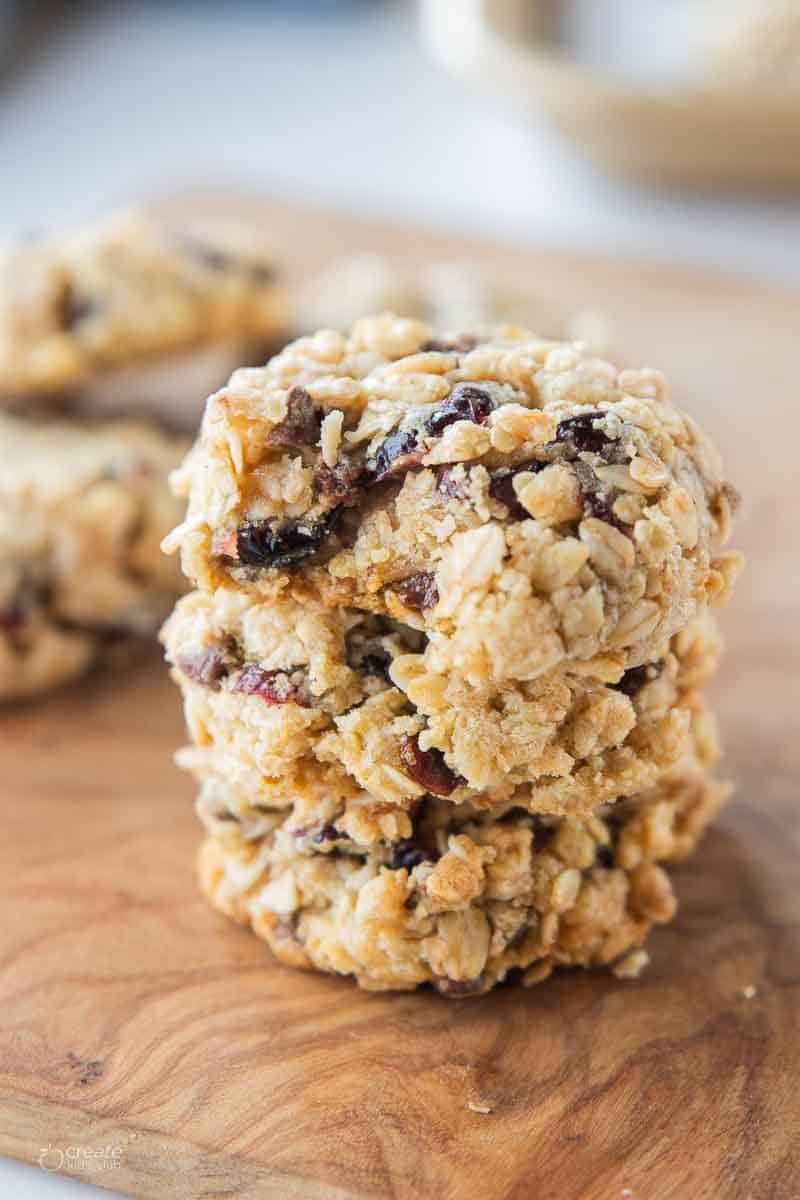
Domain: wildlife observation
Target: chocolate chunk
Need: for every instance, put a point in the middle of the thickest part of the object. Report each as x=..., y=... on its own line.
x=300, y=426
x=342, y=484
x=466, y=402
x=275, y=687
x=459, y=345
x=398, y=453
x=409, y=854
x=418, y=591
x=635, y=678
x=73, y=309
x=580, y=431
x=428, y=767
x=206, y=666
x=604, y=857
x=260, y=544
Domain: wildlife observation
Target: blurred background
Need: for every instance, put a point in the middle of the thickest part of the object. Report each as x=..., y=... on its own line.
x=376, y=107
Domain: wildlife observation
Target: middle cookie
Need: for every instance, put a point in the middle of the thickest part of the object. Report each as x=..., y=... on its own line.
x=272, y=687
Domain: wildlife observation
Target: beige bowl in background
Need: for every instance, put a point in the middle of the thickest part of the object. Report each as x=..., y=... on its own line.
x=710, y=134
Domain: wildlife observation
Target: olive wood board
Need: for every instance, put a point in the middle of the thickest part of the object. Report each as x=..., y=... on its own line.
x=133, y=1016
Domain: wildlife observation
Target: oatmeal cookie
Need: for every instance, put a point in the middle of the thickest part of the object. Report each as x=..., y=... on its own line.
x=82, y=512
x=269, y=684
x=321, y=804
x=517, y=501
x=72, y=304
x=465, y=900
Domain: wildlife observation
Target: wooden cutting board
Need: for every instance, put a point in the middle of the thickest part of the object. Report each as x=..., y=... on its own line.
x=134, y=1019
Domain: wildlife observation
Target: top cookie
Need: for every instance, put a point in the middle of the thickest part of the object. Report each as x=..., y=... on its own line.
x=518, y=501
x=74, y=303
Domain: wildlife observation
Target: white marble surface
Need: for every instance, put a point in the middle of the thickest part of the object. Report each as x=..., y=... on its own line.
x=128, y=100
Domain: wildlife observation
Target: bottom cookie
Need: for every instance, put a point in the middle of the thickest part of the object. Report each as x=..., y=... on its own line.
x=465, y=900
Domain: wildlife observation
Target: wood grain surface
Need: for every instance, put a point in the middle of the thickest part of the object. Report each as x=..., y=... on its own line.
x=134, y=1017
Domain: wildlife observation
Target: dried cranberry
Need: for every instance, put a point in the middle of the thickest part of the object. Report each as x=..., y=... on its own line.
x=543, y=830
x=342, y=484
x=261, y=272
x=597, y=501
x=448, y=484
x=460, y=987
x=466, y=402
x=375, y=664
x=11, y=618
x=398, y=453
x=418, y=591
x=210, y=256
x=300, y=426
x=581, y=432
x=260, y=544
x=518, y=937
x=21, y=603
x=409, y=854
x=273, y=686
x=206, y=666
x=428, y=768
x=599, y=505
x=604, y=857
x=285, y=930
x=634, y=679
x=220, y=260
x=73, y=309
x=327, y=833
x=501, y=487
x=459, y=345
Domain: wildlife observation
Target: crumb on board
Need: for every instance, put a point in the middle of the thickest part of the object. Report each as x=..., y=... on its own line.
x=749, y=992
x=479, y=1108
x=632, y=965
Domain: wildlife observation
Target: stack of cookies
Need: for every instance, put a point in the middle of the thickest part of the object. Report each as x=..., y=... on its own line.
x=84, y=504
x=442, y=666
